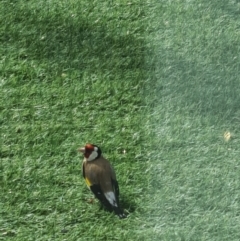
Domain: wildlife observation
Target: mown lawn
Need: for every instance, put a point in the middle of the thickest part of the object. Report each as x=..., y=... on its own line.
x=155, y=84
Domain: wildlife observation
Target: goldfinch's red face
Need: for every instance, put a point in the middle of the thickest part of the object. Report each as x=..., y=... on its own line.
x=90, y=151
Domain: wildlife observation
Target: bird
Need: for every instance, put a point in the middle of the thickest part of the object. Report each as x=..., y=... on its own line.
x=100, y=178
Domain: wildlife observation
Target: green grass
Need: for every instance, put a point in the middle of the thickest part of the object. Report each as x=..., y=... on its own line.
x=156, y=85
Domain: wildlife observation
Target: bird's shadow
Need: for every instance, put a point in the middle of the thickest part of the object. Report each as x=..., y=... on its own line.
x=128, y=206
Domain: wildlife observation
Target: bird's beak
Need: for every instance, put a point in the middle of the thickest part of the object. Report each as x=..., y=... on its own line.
x=82, y=149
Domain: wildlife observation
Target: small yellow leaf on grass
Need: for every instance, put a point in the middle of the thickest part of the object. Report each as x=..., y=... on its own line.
x=227, y=136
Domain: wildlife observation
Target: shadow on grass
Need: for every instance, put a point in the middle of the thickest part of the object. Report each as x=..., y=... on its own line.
x=128, y=207
x=125, y=204
x=70, y=41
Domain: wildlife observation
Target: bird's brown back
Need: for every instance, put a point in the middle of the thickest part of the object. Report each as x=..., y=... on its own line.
x=99, y=172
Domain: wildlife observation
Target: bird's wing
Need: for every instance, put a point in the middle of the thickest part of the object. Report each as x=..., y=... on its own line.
x=91, y=180
x=83, y=169
x=97, y=191
x=84, y=175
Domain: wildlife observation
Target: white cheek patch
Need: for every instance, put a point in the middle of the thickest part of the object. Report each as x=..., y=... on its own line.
x=111, y=198
x=93, y=156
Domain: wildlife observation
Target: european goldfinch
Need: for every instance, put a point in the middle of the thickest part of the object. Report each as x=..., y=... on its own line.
x=100, y=177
